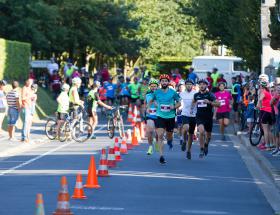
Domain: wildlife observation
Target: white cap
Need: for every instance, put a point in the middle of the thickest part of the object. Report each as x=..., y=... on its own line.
x=76, y=80
x=65, y=87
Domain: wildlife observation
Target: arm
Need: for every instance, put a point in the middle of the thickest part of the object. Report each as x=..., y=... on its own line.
x=102, y=103
x=261, y=97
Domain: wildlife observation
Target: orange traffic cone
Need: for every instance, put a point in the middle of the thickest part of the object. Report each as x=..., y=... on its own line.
x=117, y=150
x=138, y=135
x=138, y=115
x=79, y=191
x=63, y=205
x=123, y=149
x=111, y=162
x=92, y=181
x=134, y=115
x=134, y=140
x=39, y=205
x=103, y=168
x=130, y=114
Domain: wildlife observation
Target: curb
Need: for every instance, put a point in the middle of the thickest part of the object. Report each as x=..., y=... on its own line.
x=262, y=161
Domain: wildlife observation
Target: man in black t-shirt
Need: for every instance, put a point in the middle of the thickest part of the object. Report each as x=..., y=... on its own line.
x=204, y=101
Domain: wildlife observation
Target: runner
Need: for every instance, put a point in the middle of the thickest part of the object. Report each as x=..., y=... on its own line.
x=142, y=90
x=151, y=115
x=167, y=101
x=179, y=123
x=133, y=91
x=188, y=116
x=110, y=91
x=223, y=112
x=204, y=101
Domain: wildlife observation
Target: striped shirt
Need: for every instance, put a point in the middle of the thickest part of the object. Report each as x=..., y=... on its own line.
x=12, y=97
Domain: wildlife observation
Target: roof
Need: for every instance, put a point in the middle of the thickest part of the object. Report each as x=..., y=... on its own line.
x=218, y=58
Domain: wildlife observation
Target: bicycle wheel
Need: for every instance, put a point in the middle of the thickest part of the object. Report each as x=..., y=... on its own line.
x=64, y=132
x=256, y=133
x=111, y=128
x=82, y=131
x=50, y=129
x=121, y=127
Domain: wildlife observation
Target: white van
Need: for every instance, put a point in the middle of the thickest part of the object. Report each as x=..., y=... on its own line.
x=226, y=65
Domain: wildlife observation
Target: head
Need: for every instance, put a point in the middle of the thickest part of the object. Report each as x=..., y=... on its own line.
x=127, y=80
x=264, y=85
x=153, y=84
x=34, y=87
x=251, y=98
x=96, y=85
x=2, y=84
x=164, y=81
x=215, y=70
x=222, y=86
x=203, y=85
x=233, y=80
x=263, y=77
x=189, y=85
x=208, y=74
x=136, y=70
x=15, y=84
x=76, y=82
x=221, y=76
x=191, y=70
x=65, y=88
x=121, y=78
x=172, y=84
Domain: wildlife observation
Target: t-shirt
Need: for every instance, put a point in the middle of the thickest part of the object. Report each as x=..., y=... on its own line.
x=265, y=106
x=12, y=98
x=164, y=101
x=204, y=110
x=93, y=98
x=143, y=90
x=224, y=98
x=152, y=111
x=124, y=90
x=215, y=78
x=250, y=110
x=187, y=98
x=134, y=90
x=63, y=104
x=110, y=90
x=192, y=76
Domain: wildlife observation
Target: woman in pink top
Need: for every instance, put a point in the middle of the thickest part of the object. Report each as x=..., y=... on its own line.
x=223, y=112
x=265, y=113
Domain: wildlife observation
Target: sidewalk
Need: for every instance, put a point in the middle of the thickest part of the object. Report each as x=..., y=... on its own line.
x=270, y=164
x=11, y=148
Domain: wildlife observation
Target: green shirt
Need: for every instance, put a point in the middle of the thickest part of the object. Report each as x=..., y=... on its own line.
x=93, y=98
x=215, y=79
x=134, y=90
x=143, y=90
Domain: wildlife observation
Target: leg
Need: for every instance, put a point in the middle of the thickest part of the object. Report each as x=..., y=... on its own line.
x=150, y=133
x=201, y=135
x=222, y=128
x=265, y=131
x=160, y=133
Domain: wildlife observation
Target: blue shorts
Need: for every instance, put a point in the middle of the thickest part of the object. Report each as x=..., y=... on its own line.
x=13, y=115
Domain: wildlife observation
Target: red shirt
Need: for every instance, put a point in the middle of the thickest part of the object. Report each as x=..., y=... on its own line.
x=105, y=74
x=102, y=93
x=210, y=81
x=55, y=82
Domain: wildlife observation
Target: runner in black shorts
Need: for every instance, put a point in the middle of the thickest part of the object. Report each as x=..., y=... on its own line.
x=205, y=101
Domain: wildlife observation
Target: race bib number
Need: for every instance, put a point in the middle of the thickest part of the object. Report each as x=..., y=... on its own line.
x=152, y=111
x=110, y=88
x=201, y=104
x=222, y=102
x=165, y=108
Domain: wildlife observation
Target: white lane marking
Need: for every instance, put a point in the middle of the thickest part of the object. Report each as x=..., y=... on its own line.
x=96, y=208
x=204, y=212
x=38, y=157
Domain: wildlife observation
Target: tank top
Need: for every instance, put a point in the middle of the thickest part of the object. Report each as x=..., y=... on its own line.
x=265, y=106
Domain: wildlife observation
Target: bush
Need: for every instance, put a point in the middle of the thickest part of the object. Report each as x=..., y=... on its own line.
x=14, y=60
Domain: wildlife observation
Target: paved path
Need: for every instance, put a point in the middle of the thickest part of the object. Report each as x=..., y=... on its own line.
x=218, y=184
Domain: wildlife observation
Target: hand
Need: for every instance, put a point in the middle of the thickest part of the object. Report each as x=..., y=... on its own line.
x=110, y=108
x=207, y=101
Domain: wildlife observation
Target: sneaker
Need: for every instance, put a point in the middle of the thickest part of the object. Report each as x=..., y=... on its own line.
x=261, y=146
x=189, y=155
x=206, y=149
x=183, y=147
x=162, y=160
x=150, y=150
x=201, y=154
x=277, y=154
x=274, y=151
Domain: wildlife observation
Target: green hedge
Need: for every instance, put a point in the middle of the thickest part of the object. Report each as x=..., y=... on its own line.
x=14, y=60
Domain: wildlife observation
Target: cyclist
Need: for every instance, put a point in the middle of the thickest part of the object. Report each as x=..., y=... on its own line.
x=74, y=98
x=204, y=101
x=223, y=112
x=110, y=91
x=188, y=116
x=151, y=114
x=63, y=105
x=167, y=101
x=94, y=100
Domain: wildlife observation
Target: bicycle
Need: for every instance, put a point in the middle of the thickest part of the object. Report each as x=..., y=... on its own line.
x=115, y=119
x=256, y=132
x=76, y=128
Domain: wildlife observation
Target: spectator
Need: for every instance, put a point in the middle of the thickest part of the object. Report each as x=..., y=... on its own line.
x=76, y=74
x=53, y=66
x=26, y=97
x=13, y=109
x=32, y=75
x=55, y=83
x=34, y=88
x=215, y=75
x=145, y=73
x=175, y=78
x=221, y=79
x=105, y=75
x=110, y=91
x=177, y=72
x=250, y=113
x=193, y=76
x=68, y=71
x=210, y=81
x=2, y=104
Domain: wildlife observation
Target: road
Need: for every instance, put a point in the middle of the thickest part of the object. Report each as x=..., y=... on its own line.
x=219, y=184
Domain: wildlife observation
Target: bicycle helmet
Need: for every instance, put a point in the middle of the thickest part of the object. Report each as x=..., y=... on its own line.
x=222, y=82
x=164, y=76
x=76, y=80
x=65, y=87
x=189, y=81
x=263, y=76
x=203, y=81
x=153, y=81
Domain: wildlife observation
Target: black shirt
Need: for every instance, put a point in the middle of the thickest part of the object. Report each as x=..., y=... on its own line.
x=203, y=109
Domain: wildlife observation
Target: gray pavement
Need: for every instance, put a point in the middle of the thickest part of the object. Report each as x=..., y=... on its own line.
x=217, y=184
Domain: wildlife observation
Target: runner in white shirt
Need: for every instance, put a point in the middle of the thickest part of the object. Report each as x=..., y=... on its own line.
x=188, y=116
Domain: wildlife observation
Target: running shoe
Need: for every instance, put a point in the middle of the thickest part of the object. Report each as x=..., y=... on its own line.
x=189, y=155
x=206, y=149
x=183, y=147
x=274, y=151
x=277, y=154
x=162, y=160
x=201, y=154
x=150, y=150
x=261, y=146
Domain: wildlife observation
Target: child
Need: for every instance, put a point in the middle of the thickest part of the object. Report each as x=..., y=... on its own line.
x=250, y=112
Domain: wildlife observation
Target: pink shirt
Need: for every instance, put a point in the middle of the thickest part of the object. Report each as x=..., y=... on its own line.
x=265, y=106
x=224, y=98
